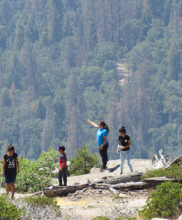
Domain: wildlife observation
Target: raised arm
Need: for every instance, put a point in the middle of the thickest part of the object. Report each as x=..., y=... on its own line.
x=92, y=123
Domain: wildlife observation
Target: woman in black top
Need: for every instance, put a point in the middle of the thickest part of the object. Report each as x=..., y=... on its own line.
x=124, y=144
x=10, y=168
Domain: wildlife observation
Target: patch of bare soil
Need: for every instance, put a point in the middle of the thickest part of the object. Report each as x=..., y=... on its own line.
x=91, y=203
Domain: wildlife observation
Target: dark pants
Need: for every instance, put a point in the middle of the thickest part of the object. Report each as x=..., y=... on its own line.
x=104, y=156
x=63, y=175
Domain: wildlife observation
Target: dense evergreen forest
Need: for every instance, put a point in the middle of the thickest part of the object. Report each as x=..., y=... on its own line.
x=59, y=66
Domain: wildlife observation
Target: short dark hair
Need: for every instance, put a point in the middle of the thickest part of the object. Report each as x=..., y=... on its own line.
x=11, y=148
x=61, y=148
x=122, y=130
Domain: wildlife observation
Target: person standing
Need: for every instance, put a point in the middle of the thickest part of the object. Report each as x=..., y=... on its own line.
x=124, y=144
x=62, y=166
x=102, y=142
x=10, y=168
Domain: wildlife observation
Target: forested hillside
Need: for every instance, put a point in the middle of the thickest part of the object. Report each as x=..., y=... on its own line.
x=58, y=68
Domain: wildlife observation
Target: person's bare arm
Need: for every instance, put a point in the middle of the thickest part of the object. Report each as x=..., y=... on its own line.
x=3, y=168
x=18, y=167
x=92, y=123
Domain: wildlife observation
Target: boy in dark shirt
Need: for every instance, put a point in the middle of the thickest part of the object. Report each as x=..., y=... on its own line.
x=10, y=168
x=62, y=166
x=124, y=144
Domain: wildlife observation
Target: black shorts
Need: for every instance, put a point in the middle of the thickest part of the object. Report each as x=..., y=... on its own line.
x=10, y=177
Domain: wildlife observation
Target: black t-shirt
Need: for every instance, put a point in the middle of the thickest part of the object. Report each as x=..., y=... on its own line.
x=10, y=163
x=124, y=141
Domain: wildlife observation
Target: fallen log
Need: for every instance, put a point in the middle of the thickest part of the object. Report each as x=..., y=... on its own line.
x=131, y=186
x=130, y=182
x=175, y=161
x=158, y=180
x=146, y=183
x=126, y=186
x=123, y=182
x=154, y=181
x=62, y=190
x=134, y=177
x=122, y=186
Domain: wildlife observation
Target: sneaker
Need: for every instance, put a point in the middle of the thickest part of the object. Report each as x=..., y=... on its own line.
x=103, y=169
x=121, y=173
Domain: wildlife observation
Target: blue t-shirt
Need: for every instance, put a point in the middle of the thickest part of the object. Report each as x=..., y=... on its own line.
x=101, y=133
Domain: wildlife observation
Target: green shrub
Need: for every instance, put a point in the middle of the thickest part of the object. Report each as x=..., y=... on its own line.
x=48, y=161
x=124, y=218
x=83, y=162
x=175, y=171
x=101, y=218
x=165, y=202
x=41, y=201
x=117, y=197
x=8, y=210
x=31, y=178
x=118, y=218
x=44, y=202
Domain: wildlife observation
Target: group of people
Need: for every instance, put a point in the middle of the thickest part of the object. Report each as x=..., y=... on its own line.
x=10, y=166
x=123, y=146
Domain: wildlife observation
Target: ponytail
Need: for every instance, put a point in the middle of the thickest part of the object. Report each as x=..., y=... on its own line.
x=122, y=130
x=105, y=126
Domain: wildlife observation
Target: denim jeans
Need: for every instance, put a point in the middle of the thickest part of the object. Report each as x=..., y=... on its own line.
x=123, y=155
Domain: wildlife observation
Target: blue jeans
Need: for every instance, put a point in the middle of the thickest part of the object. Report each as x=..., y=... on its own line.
x=123, y=155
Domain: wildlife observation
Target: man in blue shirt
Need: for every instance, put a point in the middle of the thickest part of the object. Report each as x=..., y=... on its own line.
x=102, y=134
